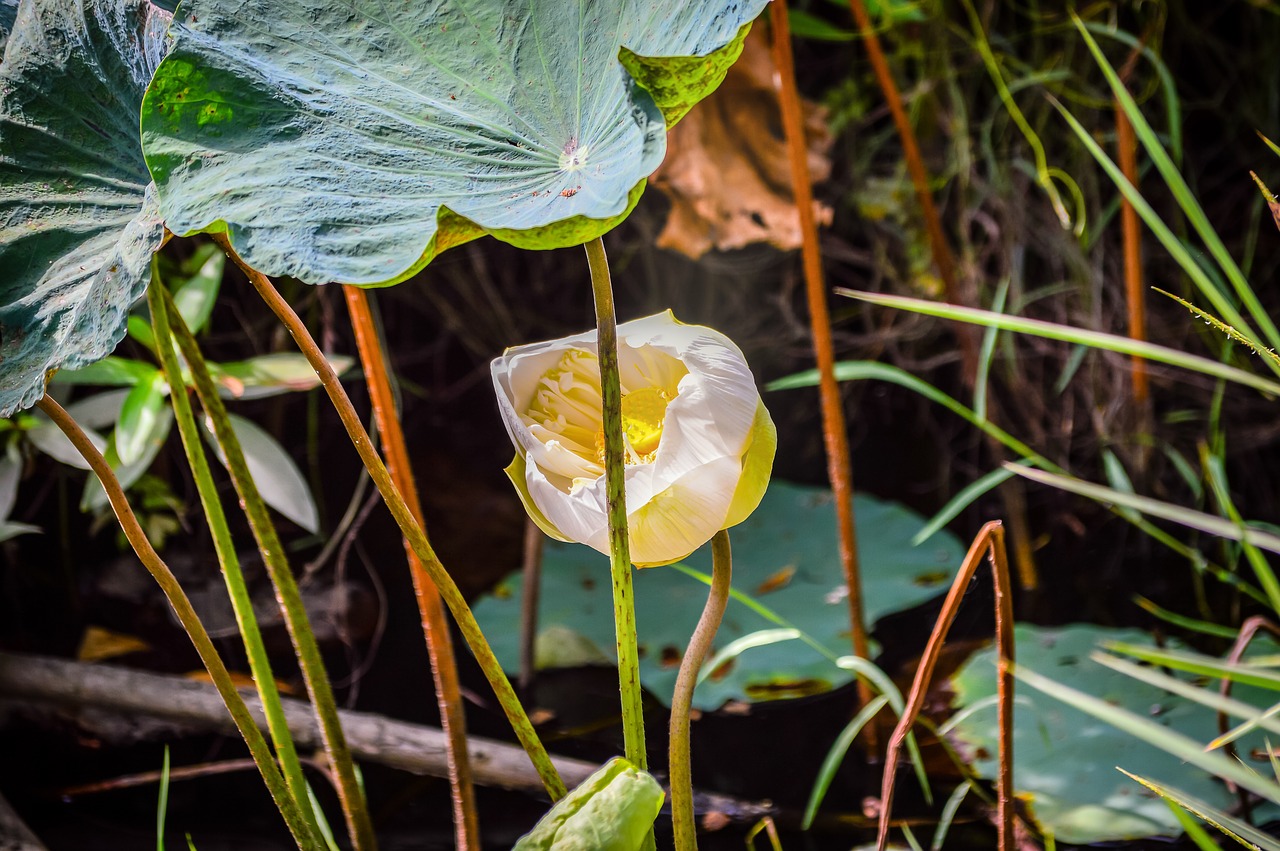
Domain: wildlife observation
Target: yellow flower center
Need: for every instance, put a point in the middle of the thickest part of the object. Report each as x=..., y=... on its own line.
x=567, y=405
x=643, y=412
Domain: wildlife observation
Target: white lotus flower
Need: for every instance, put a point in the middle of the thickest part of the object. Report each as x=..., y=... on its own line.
x=699, y=443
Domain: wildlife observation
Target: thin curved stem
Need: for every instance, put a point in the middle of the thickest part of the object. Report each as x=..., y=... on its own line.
x=351, y=797
x=409, y=527
x=989, y=541
x=682, y=816
x=224, y=547
x=435, y=627
x=261, y=752
x=624, y=612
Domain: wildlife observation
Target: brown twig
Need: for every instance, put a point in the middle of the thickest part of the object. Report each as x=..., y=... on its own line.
x=942, y=256
x=990, y=540
x=1131, y=230
x=835, y=435
x=435, y=627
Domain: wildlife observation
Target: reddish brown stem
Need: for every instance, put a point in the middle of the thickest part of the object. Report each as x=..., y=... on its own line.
x=835, y=435
x=942, y=256
x=1131, y=229
x=990, y=540
x=532, y=582
x=435, y=626
x=1248, y=630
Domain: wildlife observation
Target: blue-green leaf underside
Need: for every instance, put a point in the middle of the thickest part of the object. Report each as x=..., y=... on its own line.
x=8, y=12
x=353, y=141
x=78, y=216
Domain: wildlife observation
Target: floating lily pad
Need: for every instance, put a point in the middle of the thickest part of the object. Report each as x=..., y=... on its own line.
x=78, y=216
x=354, y=141
x=1065, y=760
x=785, y=557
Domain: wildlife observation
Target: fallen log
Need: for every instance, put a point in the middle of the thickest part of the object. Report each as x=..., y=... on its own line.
x=196, y=706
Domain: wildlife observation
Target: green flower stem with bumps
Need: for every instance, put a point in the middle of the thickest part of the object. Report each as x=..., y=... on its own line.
x=224, y=546
x=624, y=611
x=298, y=824
x=350, y=795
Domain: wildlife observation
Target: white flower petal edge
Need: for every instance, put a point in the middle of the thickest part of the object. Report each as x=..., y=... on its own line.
x=713, y=455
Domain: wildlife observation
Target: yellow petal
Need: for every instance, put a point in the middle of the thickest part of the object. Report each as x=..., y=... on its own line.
x=683, y=516
x=757, y=466
x=515, y=472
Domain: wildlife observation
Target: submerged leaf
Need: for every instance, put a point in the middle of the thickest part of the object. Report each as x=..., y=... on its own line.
x=1065, y=759
x=78, y=217
x=792, y=533
x=355, y=141
x=8, y=12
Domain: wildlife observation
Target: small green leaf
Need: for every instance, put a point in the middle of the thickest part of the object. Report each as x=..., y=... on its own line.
x=94, y=497
x=139, y=329
x=277, y=477
x=139, y=417
x=805, y=25
x=109, y=372
x=196, y=295
x=612, y=809
x=10, y=474
x=271, y=375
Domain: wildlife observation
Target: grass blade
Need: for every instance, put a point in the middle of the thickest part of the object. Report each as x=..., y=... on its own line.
x=1153, y=733
x=835, y=756
x=1246, y=834
x=1054, y=331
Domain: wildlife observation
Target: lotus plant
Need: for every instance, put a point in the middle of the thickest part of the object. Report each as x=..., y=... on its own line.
x=698, y=447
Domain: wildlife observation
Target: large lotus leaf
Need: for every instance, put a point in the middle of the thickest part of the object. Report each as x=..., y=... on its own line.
x=8, y=11
x=1065, y=760
x=785, y=557
x=78, y=218
x=354, y=141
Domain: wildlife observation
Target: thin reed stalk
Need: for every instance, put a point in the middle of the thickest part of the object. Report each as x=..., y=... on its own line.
x=435, y=627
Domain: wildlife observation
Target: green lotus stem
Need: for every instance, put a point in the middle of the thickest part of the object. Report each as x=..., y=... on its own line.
x=298, y=824
x=682, y=818
x=409, y=528
x=350, y=795
x=224, y=546
x=624, y=611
